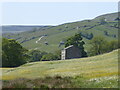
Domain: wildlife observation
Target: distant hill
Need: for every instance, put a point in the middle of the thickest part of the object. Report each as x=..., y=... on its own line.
x=20, y=28
x=54, y=35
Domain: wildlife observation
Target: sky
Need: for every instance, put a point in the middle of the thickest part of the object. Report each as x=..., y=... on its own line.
x=53, y=13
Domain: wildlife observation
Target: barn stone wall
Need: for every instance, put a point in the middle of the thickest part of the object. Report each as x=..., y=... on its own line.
x=70, y=53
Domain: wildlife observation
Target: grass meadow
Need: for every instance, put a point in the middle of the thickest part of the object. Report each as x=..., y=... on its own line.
x=93, y=72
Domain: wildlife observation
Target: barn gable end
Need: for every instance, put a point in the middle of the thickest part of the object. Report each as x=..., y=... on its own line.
x=70, y=52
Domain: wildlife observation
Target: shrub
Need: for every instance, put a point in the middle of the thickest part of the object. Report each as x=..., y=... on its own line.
x=35, y=55
x=49, y=57
x=48, y=82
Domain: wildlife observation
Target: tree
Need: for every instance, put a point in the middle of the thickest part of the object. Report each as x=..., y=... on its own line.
x=13, y=54
x=49, y=57
x=113, y=45
x=76, y=40
x=35, y=55
x=86, y=35
x=99, y=46
x=58, y=54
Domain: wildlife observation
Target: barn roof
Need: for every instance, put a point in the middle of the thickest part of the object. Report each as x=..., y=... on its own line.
x=69, y=47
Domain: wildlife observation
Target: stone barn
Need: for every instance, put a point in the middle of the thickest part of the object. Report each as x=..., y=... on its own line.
x=70, y=52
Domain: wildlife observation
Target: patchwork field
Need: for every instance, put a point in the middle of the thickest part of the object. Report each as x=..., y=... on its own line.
x=100, y=71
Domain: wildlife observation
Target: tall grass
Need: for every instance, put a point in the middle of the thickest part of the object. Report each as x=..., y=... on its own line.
x=62, y=82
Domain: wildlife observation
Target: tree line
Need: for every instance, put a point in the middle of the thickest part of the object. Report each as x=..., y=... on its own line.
x=13, y=54
x=99, y=45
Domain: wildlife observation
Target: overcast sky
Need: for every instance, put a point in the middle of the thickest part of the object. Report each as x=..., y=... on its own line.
x=51, y=13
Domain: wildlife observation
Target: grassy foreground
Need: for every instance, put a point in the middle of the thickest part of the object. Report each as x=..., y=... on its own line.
x=96, y=71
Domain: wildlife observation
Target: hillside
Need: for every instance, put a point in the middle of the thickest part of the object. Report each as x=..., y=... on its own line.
x=54, y=35
x=109, y=17
x=100, y=66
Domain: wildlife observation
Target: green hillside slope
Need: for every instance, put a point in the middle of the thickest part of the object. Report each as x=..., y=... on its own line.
x=100, y=66
x=54, y=35
x=109, y=17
